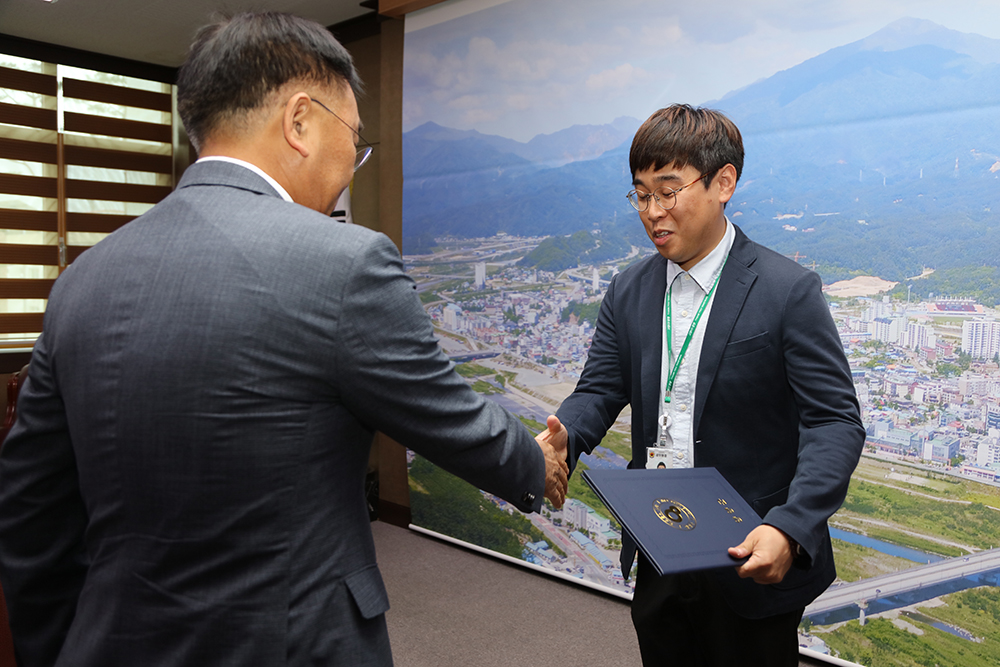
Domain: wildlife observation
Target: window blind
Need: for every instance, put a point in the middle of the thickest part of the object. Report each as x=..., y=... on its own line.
x=82, y=153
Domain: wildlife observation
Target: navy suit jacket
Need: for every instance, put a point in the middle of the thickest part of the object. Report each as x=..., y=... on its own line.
x=775, y=408
x=185, y=481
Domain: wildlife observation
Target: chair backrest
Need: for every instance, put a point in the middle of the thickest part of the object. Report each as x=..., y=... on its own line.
x=6, y=641
x=14, y=383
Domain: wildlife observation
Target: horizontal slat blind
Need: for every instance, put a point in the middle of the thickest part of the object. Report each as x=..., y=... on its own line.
x=81, y=154
x=117, y=152
x=29, y=219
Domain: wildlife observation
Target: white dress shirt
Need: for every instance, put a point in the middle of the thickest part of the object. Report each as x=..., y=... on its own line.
x=686, y=289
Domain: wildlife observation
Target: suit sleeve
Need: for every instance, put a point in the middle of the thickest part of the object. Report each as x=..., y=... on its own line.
x=831, y=435
x=400, y=382
x=42, y=519
x=600, y=395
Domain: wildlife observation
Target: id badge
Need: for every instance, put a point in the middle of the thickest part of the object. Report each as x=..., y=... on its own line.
x=660, y=455
x=657, y=457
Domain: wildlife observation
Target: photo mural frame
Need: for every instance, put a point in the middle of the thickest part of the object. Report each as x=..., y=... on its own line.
x=873, y=157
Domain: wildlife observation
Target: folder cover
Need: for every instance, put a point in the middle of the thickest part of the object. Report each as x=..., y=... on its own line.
x=681, y=519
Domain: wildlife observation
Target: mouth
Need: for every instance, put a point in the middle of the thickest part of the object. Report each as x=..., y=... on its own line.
x=659, y=238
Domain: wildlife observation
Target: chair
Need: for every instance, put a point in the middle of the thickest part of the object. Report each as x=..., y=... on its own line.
x=14, y=382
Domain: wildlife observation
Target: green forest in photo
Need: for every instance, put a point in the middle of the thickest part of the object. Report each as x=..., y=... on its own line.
x=445, y=504
x=881, y=642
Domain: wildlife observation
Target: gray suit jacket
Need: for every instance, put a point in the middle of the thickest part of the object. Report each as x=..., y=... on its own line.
x=184, y=485
x=775, y=409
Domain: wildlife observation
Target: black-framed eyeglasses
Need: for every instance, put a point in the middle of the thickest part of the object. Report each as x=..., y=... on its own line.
x=666, y=198
x=363, y=153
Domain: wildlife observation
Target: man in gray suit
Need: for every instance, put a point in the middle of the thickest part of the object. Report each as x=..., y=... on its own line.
x=184, y=485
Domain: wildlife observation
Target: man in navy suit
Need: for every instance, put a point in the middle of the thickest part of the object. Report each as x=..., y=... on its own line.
x=728, y=356
x=185, y=481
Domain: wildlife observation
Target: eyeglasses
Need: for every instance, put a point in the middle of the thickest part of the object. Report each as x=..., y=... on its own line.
x=363, y=153
x=666, y=198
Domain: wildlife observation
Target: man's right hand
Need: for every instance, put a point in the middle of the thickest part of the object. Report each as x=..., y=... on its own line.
x=554, y=442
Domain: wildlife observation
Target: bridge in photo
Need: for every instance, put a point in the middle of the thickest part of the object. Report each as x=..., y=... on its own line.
x=473, y=356
x=861, y=593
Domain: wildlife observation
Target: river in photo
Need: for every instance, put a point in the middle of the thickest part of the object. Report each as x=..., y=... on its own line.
x=950, y=629
x=889, y=548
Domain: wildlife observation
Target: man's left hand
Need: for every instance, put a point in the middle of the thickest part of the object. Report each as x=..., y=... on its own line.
x=770, y=555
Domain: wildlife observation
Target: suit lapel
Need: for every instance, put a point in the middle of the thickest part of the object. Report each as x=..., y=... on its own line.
x=734, y=285
x=652, y=291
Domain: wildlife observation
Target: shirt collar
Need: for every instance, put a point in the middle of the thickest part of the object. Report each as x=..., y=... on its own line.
x=704, y=272
x=252, y=167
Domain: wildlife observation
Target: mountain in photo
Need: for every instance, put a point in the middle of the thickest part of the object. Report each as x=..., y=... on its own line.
x=887, y=150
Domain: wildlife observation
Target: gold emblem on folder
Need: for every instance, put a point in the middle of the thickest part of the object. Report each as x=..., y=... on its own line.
x=674, y=514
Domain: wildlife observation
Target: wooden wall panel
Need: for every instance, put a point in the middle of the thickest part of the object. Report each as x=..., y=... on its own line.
x=400, y=8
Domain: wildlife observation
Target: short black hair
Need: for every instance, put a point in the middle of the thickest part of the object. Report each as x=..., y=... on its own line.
x=236, y=62
x=684, y=135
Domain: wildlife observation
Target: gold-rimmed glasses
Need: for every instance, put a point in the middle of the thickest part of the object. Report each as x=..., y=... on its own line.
x=666, y=198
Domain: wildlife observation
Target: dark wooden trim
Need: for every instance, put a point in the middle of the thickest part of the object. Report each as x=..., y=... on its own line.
x=390, y=161
x=61, y=207
x=15, y=253
x=17, y=114
x=26, y=288
x=145, y=194
x=394, y=514
x=103, y=92
x=12, y=362
x=28, y=186
x=397, y=9
x=39, y=221
x=31, y=82
x=33, y=151
x=96, y=222
x=85, y=156
x=116, y=127
x=63, y=55
x=21, y=322
x=360, y=27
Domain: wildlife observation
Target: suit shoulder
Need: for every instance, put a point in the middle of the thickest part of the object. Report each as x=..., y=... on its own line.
x=776, y=260
x=640, y=269
x=774, y=264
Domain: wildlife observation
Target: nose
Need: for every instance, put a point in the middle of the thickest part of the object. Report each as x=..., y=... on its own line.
x=654, y=212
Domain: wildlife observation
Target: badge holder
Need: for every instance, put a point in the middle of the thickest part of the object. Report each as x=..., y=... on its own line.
x=660, y=455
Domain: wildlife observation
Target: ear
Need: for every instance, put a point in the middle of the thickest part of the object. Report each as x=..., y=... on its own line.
x=726, y=178
x=295, y=122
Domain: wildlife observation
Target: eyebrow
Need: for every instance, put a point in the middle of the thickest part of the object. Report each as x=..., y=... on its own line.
x=663, y=178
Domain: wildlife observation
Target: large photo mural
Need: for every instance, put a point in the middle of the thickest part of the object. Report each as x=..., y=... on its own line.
x=872, y=135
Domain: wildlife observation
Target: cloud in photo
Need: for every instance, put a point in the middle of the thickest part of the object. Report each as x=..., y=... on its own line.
x=527, y=67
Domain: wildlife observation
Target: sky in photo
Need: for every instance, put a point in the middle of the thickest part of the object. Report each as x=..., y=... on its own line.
x=519, y=68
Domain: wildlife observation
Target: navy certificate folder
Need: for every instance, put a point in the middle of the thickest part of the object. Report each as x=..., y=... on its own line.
x=682, y=520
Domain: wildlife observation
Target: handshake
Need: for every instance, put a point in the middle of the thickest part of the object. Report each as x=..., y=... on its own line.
x=554, y=442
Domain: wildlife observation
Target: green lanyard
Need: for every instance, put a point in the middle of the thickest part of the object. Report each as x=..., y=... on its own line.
x=687, y=340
